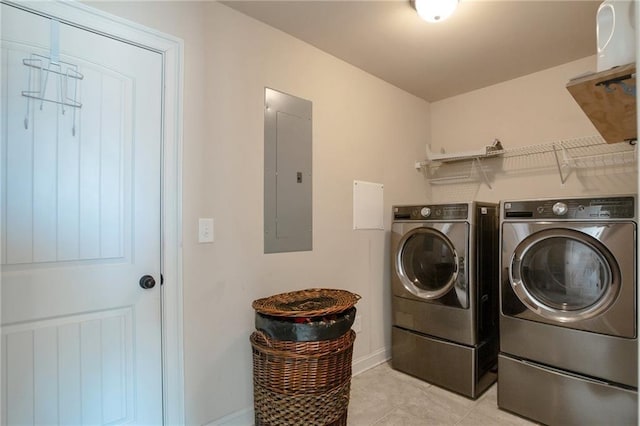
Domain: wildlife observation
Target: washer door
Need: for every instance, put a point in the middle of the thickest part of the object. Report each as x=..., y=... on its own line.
x=427, y=263
x=564, y=275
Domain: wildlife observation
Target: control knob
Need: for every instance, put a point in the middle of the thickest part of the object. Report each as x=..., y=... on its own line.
x=425, y=212
x=560, y=209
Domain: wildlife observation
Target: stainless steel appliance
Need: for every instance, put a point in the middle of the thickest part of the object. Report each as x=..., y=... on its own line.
x=568, y=337
x=445, y=294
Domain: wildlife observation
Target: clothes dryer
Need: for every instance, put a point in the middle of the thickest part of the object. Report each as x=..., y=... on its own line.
x=445, y=294
x=568, y=349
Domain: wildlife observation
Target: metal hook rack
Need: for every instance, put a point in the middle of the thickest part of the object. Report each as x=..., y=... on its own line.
x=67, y=75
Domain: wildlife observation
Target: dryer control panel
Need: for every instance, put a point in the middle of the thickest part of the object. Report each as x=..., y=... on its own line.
x=432, y=212
x=571, y=208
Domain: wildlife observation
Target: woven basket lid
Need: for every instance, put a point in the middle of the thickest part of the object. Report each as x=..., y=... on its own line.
x=311, y=302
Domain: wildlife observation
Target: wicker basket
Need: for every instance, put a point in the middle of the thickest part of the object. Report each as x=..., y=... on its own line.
x=306, y=329
x=301, y=383
x=312, y=302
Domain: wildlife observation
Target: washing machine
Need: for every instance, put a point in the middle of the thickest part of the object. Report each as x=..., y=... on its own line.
x=444, y=281
x=568, y=314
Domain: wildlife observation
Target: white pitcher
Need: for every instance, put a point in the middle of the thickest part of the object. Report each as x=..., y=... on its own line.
x=615, y=32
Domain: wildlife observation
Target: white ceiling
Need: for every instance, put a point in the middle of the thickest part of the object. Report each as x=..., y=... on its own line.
x=483, y=43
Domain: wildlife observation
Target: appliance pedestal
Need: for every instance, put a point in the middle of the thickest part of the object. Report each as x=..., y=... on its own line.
x=467, y=370
x=556, y=397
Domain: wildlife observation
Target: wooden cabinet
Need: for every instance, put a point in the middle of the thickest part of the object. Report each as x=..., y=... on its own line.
x=608, y=98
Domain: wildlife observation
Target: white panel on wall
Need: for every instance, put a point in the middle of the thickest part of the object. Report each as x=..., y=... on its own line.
x=368, y=205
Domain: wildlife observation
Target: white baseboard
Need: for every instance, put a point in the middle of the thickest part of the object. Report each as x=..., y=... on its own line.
x=367, y=362
x=245, y=417
x=242, y=417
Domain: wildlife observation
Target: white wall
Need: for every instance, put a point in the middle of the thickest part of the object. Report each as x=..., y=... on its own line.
x=363, y=129
x=531, y=110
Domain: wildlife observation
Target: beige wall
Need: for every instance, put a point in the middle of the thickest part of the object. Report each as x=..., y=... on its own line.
x=363, y=129
x=531, y=110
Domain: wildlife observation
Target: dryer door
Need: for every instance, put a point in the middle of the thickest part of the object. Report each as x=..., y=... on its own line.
x=570, y=276
x=429, y=265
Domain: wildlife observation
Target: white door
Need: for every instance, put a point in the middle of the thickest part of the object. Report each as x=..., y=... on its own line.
x=81, y=340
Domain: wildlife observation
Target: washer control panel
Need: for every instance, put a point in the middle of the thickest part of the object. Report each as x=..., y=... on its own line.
x=576, y=208
x=560, y=208
x=432, y=212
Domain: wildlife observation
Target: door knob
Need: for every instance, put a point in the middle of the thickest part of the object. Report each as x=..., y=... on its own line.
x=147, y=282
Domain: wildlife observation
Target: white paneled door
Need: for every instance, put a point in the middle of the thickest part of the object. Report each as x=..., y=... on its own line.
x=81, y=151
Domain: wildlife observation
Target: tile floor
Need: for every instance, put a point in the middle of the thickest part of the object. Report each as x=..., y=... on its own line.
x=383, y=396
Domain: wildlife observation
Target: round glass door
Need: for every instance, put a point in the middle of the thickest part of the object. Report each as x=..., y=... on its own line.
x=427, y=263
x=564, y=275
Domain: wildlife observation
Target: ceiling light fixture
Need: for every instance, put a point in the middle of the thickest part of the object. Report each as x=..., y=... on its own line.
x=435, y=10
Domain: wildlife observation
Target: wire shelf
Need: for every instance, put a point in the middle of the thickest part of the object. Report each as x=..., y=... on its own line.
x=565, y=155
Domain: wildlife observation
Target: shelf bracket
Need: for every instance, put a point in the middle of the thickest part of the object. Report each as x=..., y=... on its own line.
x=484, y=175
x=563, y=178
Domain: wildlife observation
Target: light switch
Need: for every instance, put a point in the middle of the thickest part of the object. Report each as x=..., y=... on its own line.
x=205, y=230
